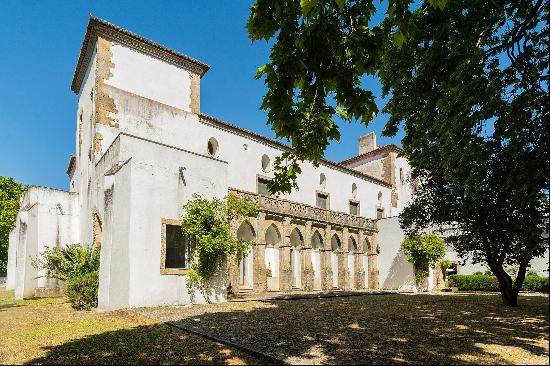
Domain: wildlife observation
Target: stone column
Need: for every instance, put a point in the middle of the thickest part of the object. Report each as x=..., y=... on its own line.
x=260, y=272
x=343, y=271
x=307, y=266
x=373, y=271
x=359, y=275
x=233, y=265
x=326, y=265
x=285, y=271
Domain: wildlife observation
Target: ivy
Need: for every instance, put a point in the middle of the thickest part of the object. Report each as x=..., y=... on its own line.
x=10, y=192
x=208, y=222
x=423, y=251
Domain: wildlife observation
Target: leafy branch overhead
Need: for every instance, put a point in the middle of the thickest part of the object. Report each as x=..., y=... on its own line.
x=322, y=50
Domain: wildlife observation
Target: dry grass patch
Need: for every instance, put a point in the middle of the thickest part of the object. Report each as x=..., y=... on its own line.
x=49, y=331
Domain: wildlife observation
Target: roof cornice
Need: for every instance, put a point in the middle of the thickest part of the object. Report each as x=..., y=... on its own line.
x=99, y=27
x=379, y=150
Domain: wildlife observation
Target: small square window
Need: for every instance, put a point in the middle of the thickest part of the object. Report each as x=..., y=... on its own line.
x=322, y=200
x=354, y=208
x=380, y=213
x=263, y=186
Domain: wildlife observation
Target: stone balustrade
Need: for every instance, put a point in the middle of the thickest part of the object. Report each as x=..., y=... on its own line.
x=305, y=212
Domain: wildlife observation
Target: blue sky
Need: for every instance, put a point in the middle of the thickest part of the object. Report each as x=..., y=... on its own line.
x=39, y=47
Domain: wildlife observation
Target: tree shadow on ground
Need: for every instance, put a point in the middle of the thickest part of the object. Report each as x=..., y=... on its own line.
x=145, y=344
x=424, y=328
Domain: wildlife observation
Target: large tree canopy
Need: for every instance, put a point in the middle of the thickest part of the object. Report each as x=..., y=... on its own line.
x=466, y=80
x=10, y=191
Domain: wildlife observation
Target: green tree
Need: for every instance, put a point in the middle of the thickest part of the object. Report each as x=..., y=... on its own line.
x=470, y=88
x=423, y=251
x=10, y=192
x=466, y=80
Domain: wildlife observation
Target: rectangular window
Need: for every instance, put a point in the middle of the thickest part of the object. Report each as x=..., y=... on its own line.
x=354, y=208
x=379, y=213
x=262, y=186
x=322, y=200
x=177, y=248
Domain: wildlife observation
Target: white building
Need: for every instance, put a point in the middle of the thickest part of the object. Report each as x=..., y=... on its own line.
x=143, y=148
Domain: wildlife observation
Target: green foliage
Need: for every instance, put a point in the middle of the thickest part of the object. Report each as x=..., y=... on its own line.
x=445, y=264
x=10, y=192
x=68, y=262
x=78, y=265
x=423, y=251
x=534, y=282
x=208, y=222
x=487, y=282
x=475, y=282
x=82, y=290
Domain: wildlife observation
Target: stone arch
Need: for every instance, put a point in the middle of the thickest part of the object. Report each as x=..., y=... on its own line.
x=273, y=236
x=335, y=242
x=246, y=231
x=317, y=240
x=296, y=238
x=367, y=247
x=96, y=229
x=352, y=244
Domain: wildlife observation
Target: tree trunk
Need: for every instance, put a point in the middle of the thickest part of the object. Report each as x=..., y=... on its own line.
x=508, y=291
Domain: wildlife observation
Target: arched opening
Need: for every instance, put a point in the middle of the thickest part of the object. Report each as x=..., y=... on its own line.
x=296, y=243
x=317, y=245
x=352, y=248
x=246, y=233
x=272, y=241
x=335, y=245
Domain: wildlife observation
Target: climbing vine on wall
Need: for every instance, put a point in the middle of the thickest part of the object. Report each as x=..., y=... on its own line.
x=10, y=192
x=423, y=251
x=208, y=223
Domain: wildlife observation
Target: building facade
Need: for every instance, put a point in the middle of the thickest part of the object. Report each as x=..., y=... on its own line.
x=143, y=149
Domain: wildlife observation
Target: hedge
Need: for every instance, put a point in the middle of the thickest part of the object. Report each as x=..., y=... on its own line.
x=484, y=282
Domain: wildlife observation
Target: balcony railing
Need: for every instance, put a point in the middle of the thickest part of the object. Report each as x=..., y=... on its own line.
x=305, y=212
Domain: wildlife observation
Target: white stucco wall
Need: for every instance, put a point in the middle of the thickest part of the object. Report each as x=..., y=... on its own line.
x=149, y=77
x=47, y=218
x=146, y=189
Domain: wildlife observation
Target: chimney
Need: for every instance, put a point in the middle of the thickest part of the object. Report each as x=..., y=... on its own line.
x=367, y=143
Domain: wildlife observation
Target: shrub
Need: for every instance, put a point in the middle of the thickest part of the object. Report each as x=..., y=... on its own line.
x=82, y=290
x=78, y=266
x=534, y=282
x=423, y=251
x=475, y=282
x=70, y=261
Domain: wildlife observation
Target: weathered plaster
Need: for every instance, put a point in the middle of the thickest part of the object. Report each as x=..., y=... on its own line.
x=104, y=105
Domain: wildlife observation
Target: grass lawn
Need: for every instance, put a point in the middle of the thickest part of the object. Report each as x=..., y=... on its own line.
x=49, y=331
x=380, y=329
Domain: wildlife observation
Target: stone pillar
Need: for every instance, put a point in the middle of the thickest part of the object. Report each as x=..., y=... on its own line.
x=260, y=272
x=307, y=266
x=359, y=276
x=343, y=271
x=233, y=265
x=373, y=271
x=326, y=270
x=285, y=271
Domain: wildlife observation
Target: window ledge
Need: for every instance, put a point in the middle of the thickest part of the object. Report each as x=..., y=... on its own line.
x=174, y=271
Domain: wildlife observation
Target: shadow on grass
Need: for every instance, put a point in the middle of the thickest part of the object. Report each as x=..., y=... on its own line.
x=427, y=329
x=146, y=344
